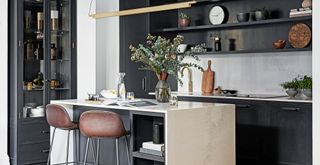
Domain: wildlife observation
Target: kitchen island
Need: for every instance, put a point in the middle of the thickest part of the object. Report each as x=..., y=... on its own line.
x=194, y=133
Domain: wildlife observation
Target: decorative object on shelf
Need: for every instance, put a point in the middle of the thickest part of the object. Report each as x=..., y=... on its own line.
x=200, y=48
x=29, y=50
x=121, y=87
x=182, y=48
x=232, y=44
x=38, y=82
x=208, y=80
x=299, y=86
x=217, y=44
x=302, y=12
x=218, y=15
x=243, y=17
x=27, y=19
x=279, y=44
x=262, y=14
x=150, y=9
x=184, y=20
x=40, y=22
x=307, y=3
x=160, y=55
x=54, y=19
x=158, y=133
x=39, y=52
x=53, y=52
x=29, y=86
x=300, y=35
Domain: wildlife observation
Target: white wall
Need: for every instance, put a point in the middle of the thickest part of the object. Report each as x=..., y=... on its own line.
x=107, y=47
x=253, y=73
x=4, y=159
x=86, y=52
x=316, y=82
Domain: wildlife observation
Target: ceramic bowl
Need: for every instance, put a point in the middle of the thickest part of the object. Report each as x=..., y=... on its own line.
x=259, y=15
x=182, y=48
x=279, y=44
x=291, y=92
x=243, y=17
x=109, y=94
x=37, y=112
x=307, y=92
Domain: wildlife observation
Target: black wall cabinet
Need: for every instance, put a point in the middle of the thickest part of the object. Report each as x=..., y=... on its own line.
x=42, y=66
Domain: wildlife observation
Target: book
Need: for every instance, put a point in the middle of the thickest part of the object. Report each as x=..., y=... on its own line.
x=128, y=103
x=150, y=145
x=151, y=152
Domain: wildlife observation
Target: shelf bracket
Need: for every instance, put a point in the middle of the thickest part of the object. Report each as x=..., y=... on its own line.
x=151, y=9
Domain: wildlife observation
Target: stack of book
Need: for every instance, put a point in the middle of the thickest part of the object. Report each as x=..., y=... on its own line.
x=153, y=149
x=302, y=12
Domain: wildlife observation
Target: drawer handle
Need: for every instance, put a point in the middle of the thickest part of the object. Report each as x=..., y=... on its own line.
x=44, y=151
x=290, y=109
x=242, y=106
x=45, y=132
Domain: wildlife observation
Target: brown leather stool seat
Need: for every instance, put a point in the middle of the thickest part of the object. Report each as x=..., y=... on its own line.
x=102, y=124
x=58, y=117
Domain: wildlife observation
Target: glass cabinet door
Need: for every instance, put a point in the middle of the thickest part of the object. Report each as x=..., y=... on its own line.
x=60, y=73
x=33, y=59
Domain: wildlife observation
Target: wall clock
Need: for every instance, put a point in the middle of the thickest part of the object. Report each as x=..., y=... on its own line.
x=217, y=15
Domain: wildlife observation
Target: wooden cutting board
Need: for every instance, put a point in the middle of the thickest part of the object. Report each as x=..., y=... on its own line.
x=208, y=80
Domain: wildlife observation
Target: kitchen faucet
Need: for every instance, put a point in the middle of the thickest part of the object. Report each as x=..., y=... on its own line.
x=190, y=83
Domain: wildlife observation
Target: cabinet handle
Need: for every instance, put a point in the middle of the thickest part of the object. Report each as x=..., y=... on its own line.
x=144, y=83
x=44, y=151
x=242, y=106
x=290, y=109
x=45, y=132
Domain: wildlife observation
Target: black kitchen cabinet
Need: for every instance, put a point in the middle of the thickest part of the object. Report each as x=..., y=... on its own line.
x=42, y=67
x=289, y=138
x=270, y=132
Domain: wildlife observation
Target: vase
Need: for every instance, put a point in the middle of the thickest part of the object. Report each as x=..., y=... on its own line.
x=162, y=91
x=184, y=22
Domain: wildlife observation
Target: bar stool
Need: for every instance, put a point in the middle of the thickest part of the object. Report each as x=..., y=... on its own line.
x=58, y=117
x=100, y=125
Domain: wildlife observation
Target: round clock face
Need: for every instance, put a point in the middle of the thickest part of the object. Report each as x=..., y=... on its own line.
x=217, y=15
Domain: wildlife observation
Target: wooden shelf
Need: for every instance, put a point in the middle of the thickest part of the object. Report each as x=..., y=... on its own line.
x=140, y=155
x=234, y=25
x=255, y=51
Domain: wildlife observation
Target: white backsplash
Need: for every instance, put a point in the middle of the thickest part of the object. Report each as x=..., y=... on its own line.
x=252, y=73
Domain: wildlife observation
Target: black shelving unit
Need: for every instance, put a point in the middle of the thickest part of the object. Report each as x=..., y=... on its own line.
x=39, y=73
x=235, y=25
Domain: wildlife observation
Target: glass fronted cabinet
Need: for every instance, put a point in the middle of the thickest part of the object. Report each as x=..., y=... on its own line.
x=42, y=68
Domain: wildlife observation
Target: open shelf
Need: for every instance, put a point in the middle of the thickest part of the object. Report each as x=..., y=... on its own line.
x=140, y=155
x=256, y=51
x=234, y=25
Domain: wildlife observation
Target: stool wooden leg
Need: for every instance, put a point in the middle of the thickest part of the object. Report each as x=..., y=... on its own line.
x=51, y=145
x=68, y=142
x=86, y=152
x=128, y=152
x=117, y=151
x=98, y=150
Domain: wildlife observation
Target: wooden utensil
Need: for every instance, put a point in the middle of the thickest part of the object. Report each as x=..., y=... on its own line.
x=208, y=80
x=300, y=35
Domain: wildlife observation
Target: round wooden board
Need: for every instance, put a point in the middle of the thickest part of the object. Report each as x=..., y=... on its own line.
x=300, y=35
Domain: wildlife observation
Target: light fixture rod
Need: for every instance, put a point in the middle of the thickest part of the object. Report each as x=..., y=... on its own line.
x=144, y=10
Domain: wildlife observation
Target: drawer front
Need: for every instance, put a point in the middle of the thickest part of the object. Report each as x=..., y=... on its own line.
x=34, y=153
x=32, y=133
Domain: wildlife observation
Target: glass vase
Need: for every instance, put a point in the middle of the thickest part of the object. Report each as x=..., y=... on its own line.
x=162, y=91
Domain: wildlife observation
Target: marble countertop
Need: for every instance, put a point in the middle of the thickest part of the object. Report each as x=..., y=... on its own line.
x=275, y=98
x=159, y=108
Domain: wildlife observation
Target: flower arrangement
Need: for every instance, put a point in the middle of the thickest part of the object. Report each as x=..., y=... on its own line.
x=160, y=55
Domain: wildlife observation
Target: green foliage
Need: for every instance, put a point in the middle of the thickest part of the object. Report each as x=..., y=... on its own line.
x=304, y=82
x=161, y=55
x=183, y=16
